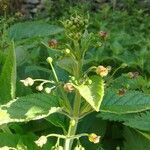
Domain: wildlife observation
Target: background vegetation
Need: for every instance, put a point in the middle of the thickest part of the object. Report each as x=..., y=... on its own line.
x=123, y=121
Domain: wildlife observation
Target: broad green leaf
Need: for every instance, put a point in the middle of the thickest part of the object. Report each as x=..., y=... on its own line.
x=31, y=107
x=2, y=57
x=135, y=141
x=68, y=64
x=129, y=102
x=32, y=29
x=93, y=93
x=141, y=122
x=18, y=140
x=22, y=55
x=8, y=77
x=8, y=139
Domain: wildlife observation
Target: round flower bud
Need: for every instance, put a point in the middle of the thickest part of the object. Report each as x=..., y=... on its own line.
x=103, y=34
x=124, y=65
x=68, y=87
x=94, y=138
x=102, y=71
x=53, y=43
x=57, y=147
x=89, y=81
x=67, y=51
x=48, y=90
x=49, y=59
x=133, y=75
x=41, y=141
x=121, y=92
x=39, y=88
x=28, y=81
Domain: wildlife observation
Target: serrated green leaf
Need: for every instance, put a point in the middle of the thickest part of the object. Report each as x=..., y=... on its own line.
x=140, y=121
x=93, y=93
x=31, y=107
x=130, y=102
x=32, y=29
x=135, y=141
x=8, y=77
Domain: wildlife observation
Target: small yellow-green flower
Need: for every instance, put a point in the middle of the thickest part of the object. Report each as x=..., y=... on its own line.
x=39, y=88
x=41, y=141
x=94, y=138
x=68, y=87
x=28, y=81
x=49, y=59
x=102, y=71
x=48, y=90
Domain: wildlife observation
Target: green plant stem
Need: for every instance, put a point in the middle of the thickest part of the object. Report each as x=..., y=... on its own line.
x=54, y=72
x=76, y=109
x=71, y=132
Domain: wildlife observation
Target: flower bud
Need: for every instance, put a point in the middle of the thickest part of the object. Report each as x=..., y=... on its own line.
x=39, y=88
x=57, y=147
x=133, y=75
x=124, y=65
x=102, y=71
x=89, y=81
x=121, y=92
x=103, y=34
x=49, y=59
x=53, y=43
x=94, y=138
x=28, y=81
x=68, y=87
x=67, y=51
x=41, y=141
x=48, y=90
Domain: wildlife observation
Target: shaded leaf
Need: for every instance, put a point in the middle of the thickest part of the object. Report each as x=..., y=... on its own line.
x=32, y=29
x=8, y=77
x=68, y=64
x=134, y=140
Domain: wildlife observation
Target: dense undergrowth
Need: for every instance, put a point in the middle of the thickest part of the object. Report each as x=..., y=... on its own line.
x=102, y=60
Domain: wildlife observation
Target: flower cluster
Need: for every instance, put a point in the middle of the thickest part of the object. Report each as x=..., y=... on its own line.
x=75, y=26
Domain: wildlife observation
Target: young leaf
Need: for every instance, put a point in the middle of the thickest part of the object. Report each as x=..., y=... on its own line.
x=93, y=93
x=31, y=107
x=8, y=77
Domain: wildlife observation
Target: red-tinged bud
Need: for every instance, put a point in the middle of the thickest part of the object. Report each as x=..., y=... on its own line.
x=68, y=87
x=53, y=43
